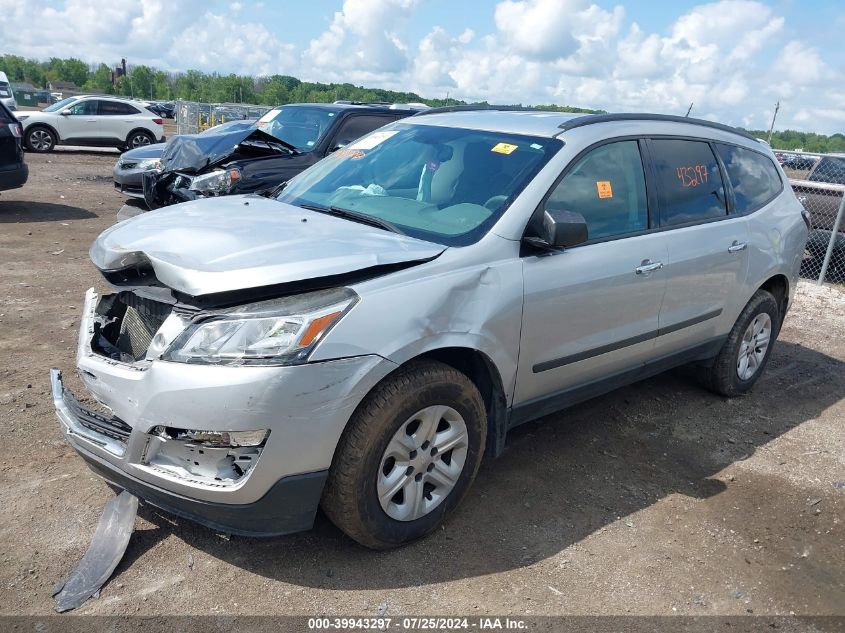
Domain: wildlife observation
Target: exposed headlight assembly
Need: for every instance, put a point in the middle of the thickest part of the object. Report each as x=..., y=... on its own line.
x=278, y=332
x=219, y=181
x=150, y=164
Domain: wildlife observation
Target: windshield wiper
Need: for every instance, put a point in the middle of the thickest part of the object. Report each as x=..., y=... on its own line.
x=290, y=149
x=347, y=214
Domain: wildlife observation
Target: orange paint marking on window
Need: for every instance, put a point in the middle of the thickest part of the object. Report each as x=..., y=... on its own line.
x=692, y=175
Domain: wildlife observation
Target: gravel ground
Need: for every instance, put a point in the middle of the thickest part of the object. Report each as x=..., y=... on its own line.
x=659, y=498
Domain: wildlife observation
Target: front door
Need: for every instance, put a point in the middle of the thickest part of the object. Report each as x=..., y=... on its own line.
x=591, y=311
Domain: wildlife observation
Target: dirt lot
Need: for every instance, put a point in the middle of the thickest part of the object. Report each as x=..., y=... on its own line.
x=657, y=499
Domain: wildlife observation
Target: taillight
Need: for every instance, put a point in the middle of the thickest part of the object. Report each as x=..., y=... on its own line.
x=158, y=121
x=16, y=130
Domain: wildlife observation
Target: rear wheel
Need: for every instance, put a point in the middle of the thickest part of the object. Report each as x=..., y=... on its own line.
x=139, y=138
x=40, y=139
x=407, y=457
x=746, y=352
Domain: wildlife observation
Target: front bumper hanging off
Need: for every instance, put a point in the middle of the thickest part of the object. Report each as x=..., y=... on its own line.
x=289, y=506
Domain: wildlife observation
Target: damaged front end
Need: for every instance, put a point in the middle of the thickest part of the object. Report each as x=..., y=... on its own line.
x=206, y=165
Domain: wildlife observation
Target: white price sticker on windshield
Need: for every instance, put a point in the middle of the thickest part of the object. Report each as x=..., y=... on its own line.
x=369, y=142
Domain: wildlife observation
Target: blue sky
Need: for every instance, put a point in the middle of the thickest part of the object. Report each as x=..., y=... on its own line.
x=733, y=58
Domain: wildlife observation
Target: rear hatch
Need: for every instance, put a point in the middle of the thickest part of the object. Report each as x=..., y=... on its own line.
x=11, y=154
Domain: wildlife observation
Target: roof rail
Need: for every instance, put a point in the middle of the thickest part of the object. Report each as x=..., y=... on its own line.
x=589, y=119
x=480, y=106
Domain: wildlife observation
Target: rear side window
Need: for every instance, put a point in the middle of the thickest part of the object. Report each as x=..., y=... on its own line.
x=5, y=115
x=607, y=187
x=831, y=170
x=690, y=183
x=116, y=108
x=754, y=178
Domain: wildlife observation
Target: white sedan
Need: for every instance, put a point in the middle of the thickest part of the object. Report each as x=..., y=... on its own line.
x=97, y=121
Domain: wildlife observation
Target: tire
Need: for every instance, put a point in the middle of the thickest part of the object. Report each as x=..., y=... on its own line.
x=40, y=139
x=728, y=375
x=139, y=138
x=422, y=391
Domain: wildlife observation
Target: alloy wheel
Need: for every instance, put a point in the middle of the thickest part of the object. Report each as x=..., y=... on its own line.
x=752, y=349
x=40, y=140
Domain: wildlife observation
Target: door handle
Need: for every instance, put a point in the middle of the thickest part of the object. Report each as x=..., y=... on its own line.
x=648, y=267
x=737, y=246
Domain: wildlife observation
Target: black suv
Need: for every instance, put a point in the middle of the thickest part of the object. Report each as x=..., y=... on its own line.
x=283, y=142
x=13, y=171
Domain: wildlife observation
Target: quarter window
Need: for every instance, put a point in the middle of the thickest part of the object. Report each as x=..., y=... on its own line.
x=607, y=187
x=690, y=182
x=754, y=178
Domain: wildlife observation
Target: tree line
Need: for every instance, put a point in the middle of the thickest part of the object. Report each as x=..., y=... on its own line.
x=145, y=82
x=806, y=141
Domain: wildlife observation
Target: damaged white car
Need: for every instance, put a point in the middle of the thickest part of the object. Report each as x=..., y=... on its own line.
x=361, y=340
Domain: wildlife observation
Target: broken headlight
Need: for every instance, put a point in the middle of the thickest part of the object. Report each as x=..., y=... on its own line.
x=219, y=181
x=149, y=164
x=278, y=332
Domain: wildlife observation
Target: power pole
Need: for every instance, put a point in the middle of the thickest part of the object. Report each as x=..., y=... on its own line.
x=689, y=109
x=772, y=126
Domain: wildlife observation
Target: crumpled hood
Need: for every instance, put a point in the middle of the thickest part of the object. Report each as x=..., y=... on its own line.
x=195, y=152
x=241, y=242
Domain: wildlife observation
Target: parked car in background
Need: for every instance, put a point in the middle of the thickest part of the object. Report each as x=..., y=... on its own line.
x=163, y=109
x=7, y=95
x=96, y=121
x=285, y=141
x=821, y=193
x=798, y=162
x=13, y=169
x=132, y=164
x=361, y=340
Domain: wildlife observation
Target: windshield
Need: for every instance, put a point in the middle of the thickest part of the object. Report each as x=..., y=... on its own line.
x=5, y=90
x=300, y=126
x=441, y=184
x=60, y=104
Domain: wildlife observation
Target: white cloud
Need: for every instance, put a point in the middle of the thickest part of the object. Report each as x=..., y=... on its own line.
x=362, y=41
x=733, y=58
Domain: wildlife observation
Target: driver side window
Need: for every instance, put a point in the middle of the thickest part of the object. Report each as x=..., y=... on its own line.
x=84, y=108
x=607, y=187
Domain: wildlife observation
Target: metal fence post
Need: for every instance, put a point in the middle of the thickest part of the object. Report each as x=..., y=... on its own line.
x=833, y=239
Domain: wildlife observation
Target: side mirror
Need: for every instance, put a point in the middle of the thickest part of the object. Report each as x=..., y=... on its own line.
x=562, y=229
x=65, y=112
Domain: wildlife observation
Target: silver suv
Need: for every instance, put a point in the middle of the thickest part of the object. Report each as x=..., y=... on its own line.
x=360, y=340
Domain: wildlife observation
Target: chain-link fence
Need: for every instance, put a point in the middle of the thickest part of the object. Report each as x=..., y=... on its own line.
x=193, y=117
x=819, y=182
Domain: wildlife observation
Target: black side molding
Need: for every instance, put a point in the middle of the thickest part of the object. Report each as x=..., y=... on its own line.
x=611, y=347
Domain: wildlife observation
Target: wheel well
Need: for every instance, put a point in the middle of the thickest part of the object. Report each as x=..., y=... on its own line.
x=778, y=286
x=141, y=129
x=45, y=126
x=483, y=373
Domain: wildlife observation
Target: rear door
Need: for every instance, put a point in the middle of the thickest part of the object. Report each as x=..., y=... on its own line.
x=117, y=119
x=708, y=247
x=591, y=311
x=10, y=149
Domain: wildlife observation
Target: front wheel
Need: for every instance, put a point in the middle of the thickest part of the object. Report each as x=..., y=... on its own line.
x=408, y=455
x=746, y=352
x=40, y=139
